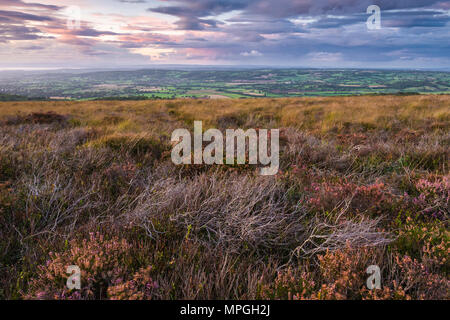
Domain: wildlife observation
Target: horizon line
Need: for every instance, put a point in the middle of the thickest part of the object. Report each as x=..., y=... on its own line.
x=222, y=66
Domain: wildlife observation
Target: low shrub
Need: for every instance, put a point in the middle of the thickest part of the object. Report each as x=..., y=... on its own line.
x=37, y=118
x=106, y=265
x=138, y=146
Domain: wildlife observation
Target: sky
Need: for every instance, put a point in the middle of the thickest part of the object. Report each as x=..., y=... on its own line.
x=293, y=33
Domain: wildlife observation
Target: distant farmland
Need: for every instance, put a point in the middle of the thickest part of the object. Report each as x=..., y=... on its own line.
x=171, y=84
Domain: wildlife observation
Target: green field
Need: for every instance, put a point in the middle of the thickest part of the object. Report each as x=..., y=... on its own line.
x=253, y=83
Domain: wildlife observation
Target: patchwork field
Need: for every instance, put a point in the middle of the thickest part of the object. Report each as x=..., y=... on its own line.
x=225, y=83
x=363, y=181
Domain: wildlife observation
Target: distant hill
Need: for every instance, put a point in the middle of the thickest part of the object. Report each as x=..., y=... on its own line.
x=15, y=97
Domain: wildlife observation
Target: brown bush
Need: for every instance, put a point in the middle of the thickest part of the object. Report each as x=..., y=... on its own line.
x=37, y=118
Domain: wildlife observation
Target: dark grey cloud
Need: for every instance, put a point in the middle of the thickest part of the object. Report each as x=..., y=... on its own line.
x=14, y=23
x=410, y=19
x=132, y=1
x=326, y=22
x=88, y=32
x=32, y=48
x=21, y=16
x=200, y=8
x=255, y=29
x=18, y=32
x=283, y=8
x=19, y=3
x=290, y=8
x=274, y=29
x=196, y=14
x=190, y=13
x=193, y=23
x=5, y=19
x=259, y=31
x=396, y=19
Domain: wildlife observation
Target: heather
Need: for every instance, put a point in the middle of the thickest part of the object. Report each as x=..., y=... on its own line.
x=363, y=181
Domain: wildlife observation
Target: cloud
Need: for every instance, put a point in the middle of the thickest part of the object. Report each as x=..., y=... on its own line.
x=191, y=23
x=14, y=32
x=286, y=32
x=21, y=16
x=190, y=13
x=190, y=9
x=410, y=19
x=253, y=53
x=88, y=32
x=22, y=4
x=325, y=56
x=132, y=1
x=32, y=48
x=201, y=15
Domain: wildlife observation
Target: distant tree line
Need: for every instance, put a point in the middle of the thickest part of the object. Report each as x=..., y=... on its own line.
x=13, y=97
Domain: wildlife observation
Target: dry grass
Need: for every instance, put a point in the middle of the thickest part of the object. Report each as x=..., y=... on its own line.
x=312, y=113
x=363, y=180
